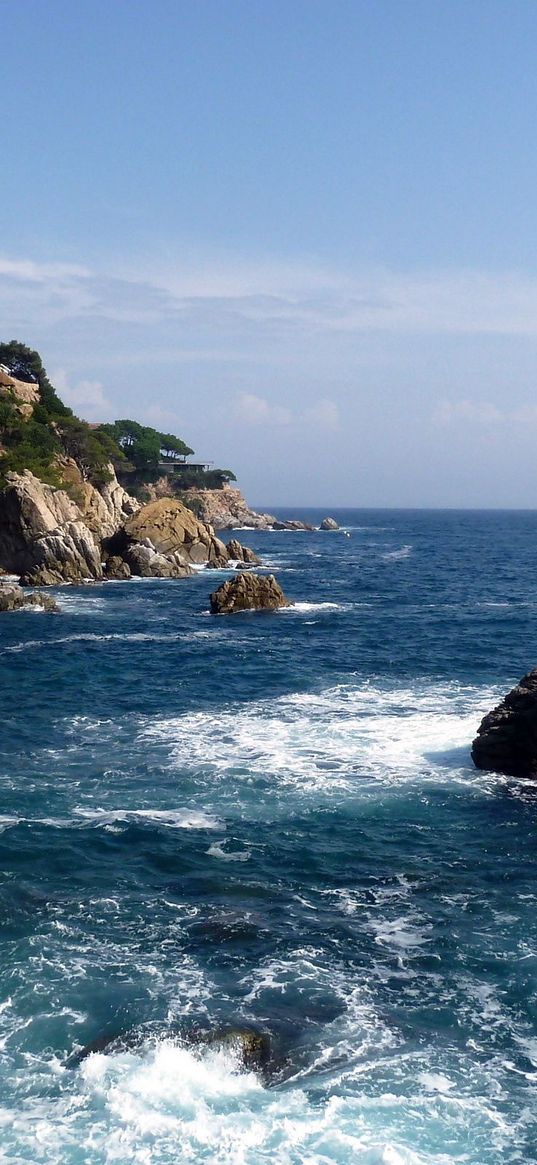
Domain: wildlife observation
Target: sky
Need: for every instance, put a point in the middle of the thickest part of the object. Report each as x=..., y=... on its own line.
x=302, y=235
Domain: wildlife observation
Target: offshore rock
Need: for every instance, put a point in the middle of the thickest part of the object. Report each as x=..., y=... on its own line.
x=329, y=524
x=239, y=553
x=248, y=592
x=506, y=741
x=291, y=524
x=12, y=598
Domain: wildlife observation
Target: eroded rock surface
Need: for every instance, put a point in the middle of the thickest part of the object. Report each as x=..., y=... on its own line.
x=12, y=598
x=329, y=524
x=506, y=741
x=248, y=592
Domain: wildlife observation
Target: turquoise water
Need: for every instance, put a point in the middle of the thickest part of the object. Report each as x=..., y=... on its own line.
x=272, y=820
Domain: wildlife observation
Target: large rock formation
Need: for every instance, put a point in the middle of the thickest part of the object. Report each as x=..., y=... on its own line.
x=227, y=509
x=13, y=598
x=329, y=524
x=506, y=741
x=248, y=592
x=171, y=528
x=48, y=538
x=42, y=535
x=21, y=394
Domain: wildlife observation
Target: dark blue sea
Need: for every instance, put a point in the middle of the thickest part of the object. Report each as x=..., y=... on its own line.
x=272, y=821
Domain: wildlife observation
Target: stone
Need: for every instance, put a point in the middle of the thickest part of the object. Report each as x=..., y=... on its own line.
x=240, y=553
x=146, y=562
x=329, y=524
x=506, y=740
x=13, y=598
x=42, y=533
x=248, y=592
x=116, y=568
x=291, y=524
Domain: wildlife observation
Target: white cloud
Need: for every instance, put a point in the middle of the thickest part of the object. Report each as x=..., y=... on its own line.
x=227, y=296
x=256, y=410
x=483, y=412
x=86, y=397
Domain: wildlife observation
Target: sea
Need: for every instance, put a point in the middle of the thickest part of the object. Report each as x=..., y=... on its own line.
x=271, y=821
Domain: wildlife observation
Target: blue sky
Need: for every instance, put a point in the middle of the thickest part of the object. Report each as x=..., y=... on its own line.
x=303, y=235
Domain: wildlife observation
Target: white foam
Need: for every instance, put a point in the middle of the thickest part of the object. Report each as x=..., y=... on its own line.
x=403, y=552
x=172, y=818
x=327, y=743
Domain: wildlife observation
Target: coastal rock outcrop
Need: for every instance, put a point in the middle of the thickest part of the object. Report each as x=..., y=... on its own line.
x=42, y=535
x=171, y=528
x=506, y=741
x=329, y=524
x=13, y=598
x=144, y=560
x=248, y=592
x=227, y=509
x=239, y=553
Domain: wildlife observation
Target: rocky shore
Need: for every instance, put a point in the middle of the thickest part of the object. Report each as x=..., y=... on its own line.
x=48, y=538
x=227, y=509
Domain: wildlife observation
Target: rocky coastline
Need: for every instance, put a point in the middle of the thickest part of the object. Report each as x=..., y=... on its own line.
x=47, y=538
x=227, y=509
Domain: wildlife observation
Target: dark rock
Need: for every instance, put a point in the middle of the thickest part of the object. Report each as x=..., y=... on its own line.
x=240, y=553
x=251, y=1047
x=329, y=524
x=248, y=592
x=291, y=524
x=13, y=598
x=506, y=741
x=116, y=568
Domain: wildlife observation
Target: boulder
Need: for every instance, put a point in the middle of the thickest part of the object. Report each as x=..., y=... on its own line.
x=329, y=524
x=248, y=592
x=116, y=568
x=146, y=562
x=12, y=598
x=506, y=740
x=240, y=553
x=291, y=524
x=172, y=528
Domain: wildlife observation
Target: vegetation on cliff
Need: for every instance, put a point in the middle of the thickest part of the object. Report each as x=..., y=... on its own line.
x=42, y=434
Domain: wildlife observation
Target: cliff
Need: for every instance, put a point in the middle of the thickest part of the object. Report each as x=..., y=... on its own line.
x=227, y=509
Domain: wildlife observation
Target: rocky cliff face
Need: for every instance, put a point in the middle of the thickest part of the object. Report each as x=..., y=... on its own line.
x=227, y=509
x=47, y=538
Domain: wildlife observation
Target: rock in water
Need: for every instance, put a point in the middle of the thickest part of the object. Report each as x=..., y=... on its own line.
x=506, y=741
x=13, y=598
x=329, y=524
x=248, y=592
x=240, y=553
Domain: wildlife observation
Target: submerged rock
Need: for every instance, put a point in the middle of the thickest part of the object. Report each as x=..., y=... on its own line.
x=248, y=592
x=12, y=598
x=329, y=524
x=251, y=1047
x=506, y=740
